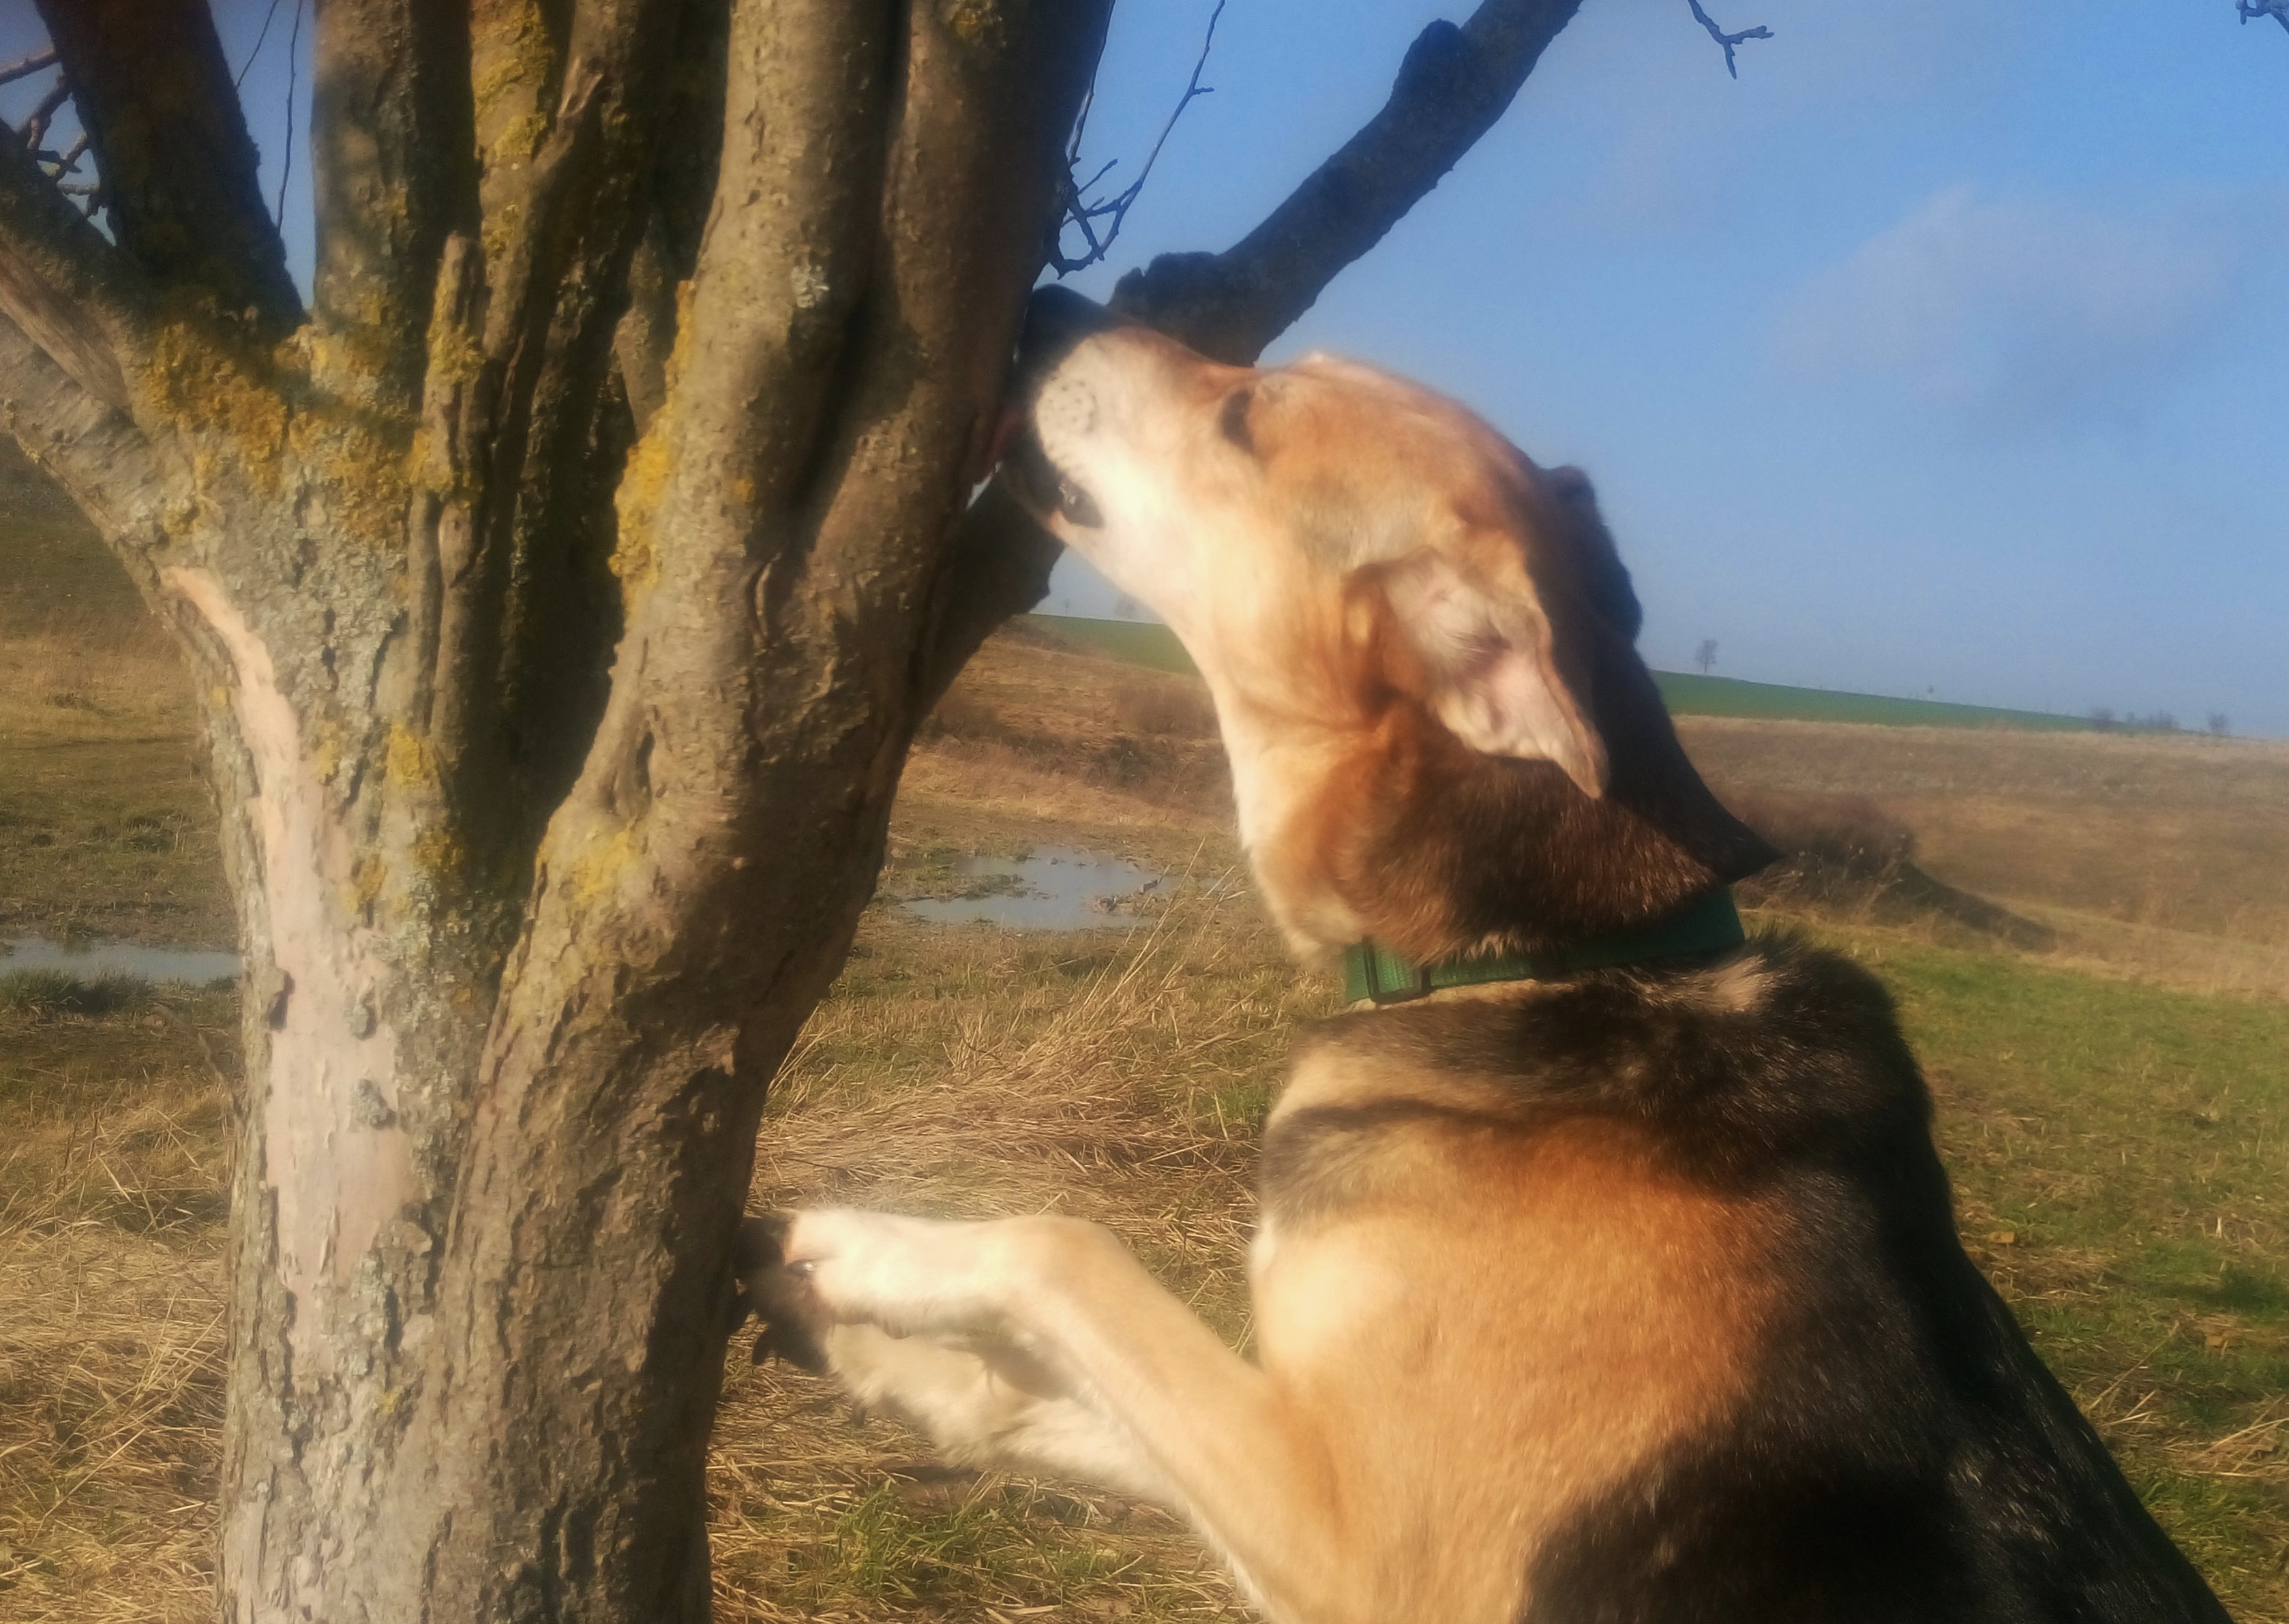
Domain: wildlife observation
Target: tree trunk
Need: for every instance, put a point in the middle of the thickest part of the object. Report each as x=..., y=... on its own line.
x=524, y=943
x=563, y=589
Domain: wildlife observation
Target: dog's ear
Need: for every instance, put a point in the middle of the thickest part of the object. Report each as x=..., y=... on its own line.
x=1487, y=661
x=1604, y=580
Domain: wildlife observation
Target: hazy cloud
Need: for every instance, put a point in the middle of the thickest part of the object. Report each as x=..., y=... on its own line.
x=2021, y=312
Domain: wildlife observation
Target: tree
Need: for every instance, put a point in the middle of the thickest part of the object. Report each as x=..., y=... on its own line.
x=563, y=583
x=2221, y=725
x=2278, y=9
x=1705, y=656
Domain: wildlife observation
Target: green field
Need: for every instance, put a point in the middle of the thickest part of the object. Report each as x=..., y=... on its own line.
x=1147, y=643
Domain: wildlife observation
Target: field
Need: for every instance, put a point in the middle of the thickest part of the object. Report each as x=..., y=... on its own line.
x=1154, y=646
x=2114, y=1102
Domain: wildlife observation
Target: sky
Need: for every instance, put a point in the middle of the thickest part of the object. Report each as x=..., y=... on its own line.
x=1945, y=352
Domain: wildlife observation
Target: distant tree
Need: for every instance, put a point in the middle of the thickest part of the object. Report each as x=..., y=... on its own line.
x=1705, y=656
x=2219, y=724
x=2163, y=721
x=1126, y=607
x=2101, y=717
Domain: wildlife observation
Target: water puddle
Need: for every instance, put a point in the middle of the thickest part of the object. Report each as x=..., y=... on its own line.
x=1052, y=887
x=95, y=961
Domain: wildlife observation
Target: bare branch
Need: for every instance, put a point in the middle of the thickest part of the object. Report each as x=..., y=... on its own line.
x=563, y=199
x=393, y=174
x=1084, y=216
x=179, y=170
x=1452, y=86
x=95, y=452
x=2278, y=9
x=61, y=282
x=36, y=126
x=25, y=67
x=1730, y=41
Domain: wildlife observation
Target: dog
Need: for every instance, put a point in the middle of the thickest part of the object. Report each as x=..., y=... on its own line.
x=1607, y=1272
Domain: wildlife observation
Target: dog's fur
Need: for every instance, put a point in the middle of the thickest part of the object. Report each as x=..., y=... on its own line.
x=1633, y=1297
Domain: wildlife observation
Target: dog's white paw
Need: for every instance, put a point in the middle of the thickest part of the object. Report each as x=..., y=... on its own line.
x=834, y=1266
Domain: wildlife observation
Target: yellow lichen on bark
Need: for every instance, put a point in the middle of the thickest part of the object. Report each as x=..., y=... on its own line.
x=436, y=852
x=597, y=867
x=975, y=23
x=205, y=389
x=406, y=762
x=368, y=875
x=635, y=555
x=513, y=63
x=256, y=424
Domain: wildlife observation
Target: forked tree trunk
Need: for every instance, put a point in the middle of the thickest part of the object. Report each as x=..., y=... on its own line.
x=546, y=833
x=563, y=589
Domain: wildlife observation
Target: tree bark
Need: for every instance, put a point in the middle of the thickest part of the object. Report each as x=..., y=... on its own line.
x=563, y=588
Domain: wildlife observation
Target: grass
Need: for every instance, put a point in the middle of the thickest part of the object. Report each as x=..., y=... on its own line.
x=1155, y=646
x=2121, y=1158
x=2115, y=1113
x=1689, y=695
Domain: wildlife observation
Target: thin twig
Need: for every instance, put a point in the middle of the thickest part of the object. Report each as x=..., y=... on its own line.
x=293, y=56
x=257, y=52
x=1115, y=209
x=1731, y=41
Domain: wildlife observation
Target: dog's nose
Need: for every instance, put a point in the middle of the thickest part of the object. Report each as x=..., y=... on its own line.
x=1057, y=319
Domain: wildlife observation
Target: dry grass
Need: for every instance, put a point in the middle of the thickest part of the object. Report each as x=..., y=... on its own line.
x=1122, y=1084
x=2129, y=846
x=111, y=1349
x=2128, y=1139
x=105, y=827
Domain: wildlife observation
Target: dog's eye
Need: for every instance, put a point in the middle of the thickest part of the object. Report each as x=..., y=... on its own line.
x=1233, y=420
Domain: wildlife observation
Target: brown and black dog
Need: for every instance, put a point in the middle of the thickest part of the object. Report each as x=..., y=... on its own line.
x=1620, y=1296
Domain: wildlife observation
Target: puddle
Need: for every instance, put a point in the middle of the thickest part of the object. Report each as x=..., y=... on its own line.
x=1055, y=888
x=94, y=961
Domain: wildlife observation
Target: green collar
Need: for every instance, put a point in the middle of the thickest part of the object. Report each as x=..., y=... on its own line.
x=1373, y=971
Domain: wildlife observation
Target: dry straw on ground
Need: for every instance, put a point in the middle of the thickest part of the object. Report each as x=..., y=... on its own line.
x=2136, y=1167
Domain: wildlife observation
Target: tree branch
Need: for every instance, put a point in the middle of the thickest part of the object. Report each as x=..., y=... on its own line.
x=25, y=67
x=394, y=173
x=568, y=126
x=178, y=171
x=94, y=450
x=1084, y=215
x=61, y=282
x=2278, y=9
x=1729, y=42
x=1452, y=86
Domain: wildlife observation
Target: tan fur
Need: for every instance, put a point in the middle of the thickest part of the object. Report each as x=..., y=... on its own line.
x=1478, y=1321
x=1501, y=1324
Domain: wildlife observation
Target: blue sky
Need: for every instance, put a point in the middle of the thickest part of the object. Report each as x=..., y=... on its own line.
x=1945, y=351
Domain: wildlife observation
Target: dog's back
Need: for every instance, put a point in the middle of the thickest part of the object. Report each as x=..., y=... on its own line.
x=1703, y=1203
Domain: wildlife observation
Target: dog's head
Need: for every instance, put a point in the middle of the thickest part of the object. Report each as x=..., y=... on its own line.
x=1420, y=643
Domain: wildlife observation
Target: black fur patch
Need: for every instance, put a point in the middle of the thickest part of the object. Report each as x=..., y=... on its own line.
x=1902, y=1454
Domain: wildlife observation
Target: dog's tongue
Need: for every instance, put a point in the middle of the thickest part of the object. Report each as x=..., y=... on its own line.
x=1005, y=435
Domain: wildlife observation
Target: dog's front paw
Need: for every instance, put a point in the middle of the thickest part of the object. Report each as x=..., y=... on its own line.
x=795, y=1323
x=906, y=1275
